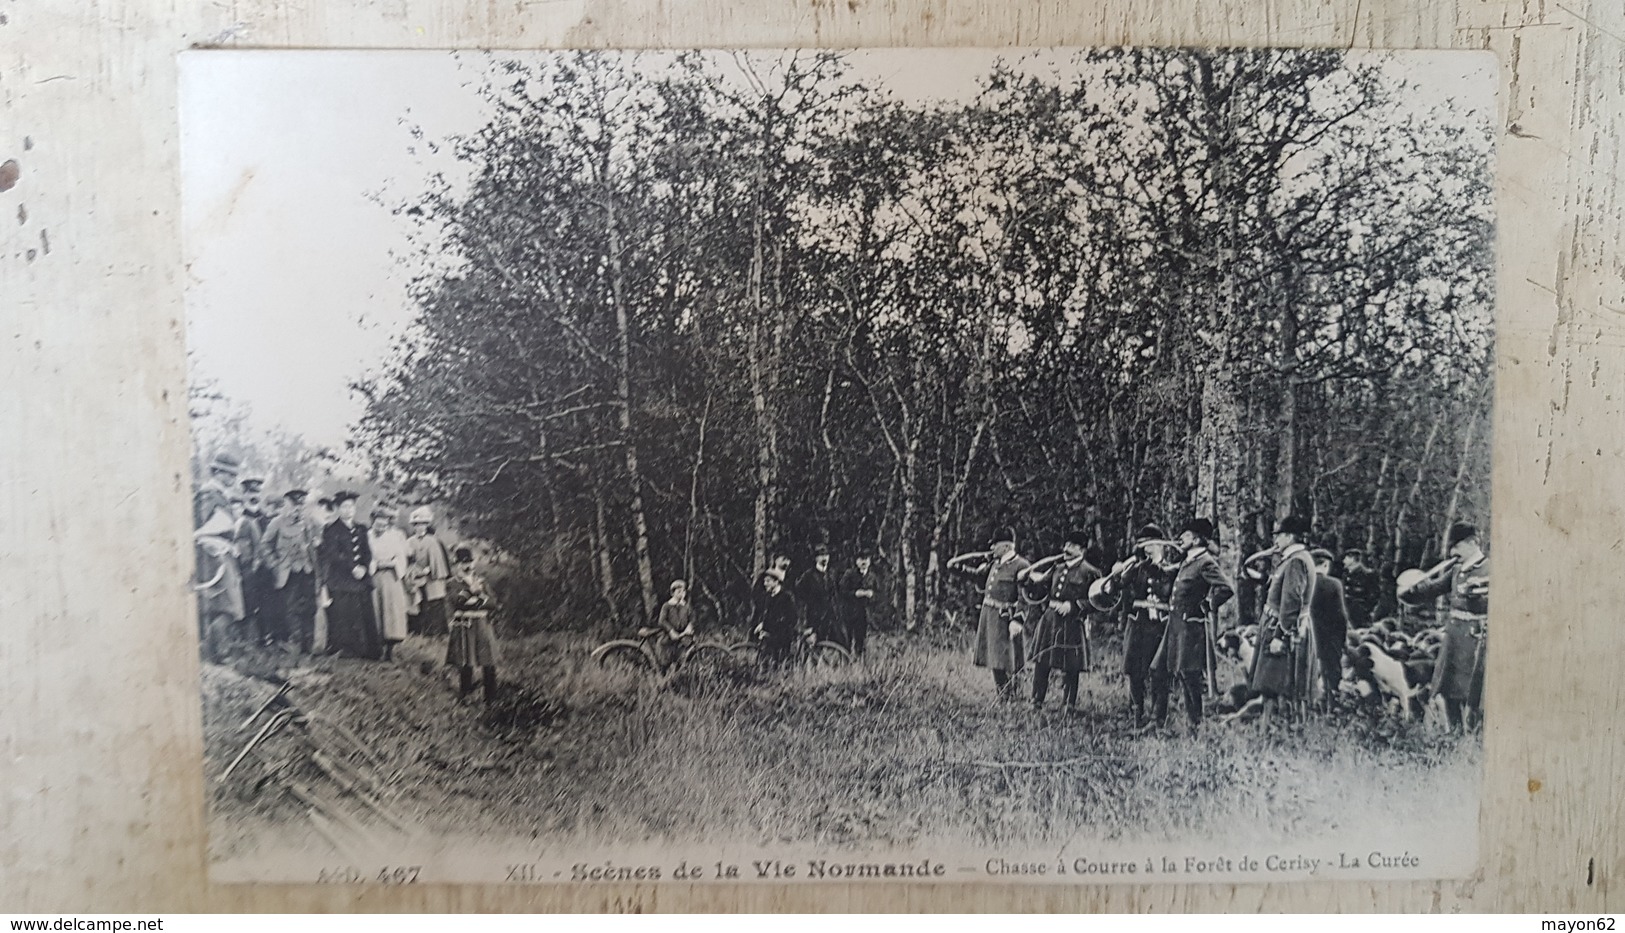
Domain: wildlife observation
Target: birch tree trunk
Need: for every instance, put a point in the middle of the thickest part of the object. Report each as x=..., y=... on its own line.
x=623, y=395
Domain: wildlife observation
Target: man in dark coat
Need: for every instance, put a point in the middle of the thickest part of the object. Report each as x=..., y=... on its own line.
x=1282, y=664
x=778, y=624
x=860, y=584
x=1143, y=611
x=1362, y=591
x=262, y=620
x=1330, y=617
x=816, y=590
x=1199, y=589
x=1058, y=640
x=346, y=556
x=248, y=540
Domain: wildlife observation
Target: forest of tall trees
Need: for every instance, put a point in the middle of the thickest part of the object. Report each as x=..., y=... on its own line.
x=694, y=309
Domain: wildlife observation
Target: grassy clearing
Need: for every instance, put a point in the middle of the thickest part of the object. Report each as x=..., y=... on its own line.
x=907, y=747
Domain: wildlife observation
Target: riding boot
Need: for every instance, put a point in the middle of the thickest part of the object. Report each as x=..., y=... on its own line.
x=490, y=678
x=1160, y=688
x=1040, y=685
x=1193, y=699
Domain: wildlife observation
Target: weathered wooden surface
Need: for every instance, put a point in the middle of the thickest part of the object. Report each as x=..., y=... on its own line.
x=99, y=721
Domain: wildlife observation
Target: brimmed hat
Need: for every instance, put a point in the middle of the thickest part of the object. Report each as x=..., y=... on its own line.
x=1004, y=533
x=677, y=583
x=1078, y=537
x=251, y=483
x=821, y=550
x=422, y=515
x=1293, y=525
x=383, y=511
x=1320, y=555
x=1150, y=532
x=1459, y=532
x=1200, y=527
x=774, y=573
x=296, y=494
x=346, y=495
x=462, y=554
x=225, y=463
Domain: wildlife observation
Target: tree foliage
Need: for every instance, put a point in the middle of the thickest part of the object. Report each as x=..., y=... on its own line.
x=693, y=311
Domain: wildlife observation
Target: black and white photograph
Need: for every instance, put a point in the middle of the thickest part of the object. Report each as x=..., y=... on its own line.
x=1034, y=465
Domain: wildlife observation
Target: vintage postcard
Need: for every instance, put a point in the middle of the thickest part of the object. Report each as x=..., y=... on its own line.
x=1018, y=465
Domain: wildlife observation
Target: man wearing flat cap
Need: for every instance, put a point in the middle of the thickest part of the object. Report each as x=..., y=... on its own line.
x=290, y=548
x=1000, y=628
x=1147, y=583
x=1281, y=668
x=1199, y=589
x=1464, y=576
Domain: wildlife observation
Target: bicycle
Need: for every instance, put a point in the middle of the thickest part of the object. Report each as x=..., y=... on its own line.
x=641, y=654
x=804, y=651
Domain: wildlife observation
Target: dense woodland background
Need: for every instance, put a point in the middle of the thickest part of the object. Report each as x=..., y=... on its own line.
x=692, y=313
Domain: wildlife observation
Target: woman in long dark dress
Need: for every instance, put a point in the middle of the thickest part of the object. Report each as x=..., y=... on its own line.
x=346, y=556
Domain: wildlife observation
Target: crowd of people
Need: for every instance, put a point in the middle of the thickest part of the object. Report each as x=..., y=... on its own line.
x=275, y=572
x=819, y=605
x=1166, y=595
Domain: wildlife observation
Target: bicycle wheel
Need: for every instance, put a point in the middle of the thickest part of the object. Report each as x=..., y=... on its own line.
x=828, y=654
x=746, y=653
x=709, y=660
x=622, y=656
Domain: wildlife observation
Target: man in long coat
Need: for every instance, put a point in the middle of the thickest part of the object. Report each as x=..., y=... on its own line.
x=262, y=621
x=1330, y=616
x=1000, y=627
x=1283, y=664
x=346, y=557
x=1458, y=676
x=247, y=540
x=1146, y=584
x=1199, y=589
x=1058, y=640
x=816, y=590
x=860, y=584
